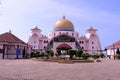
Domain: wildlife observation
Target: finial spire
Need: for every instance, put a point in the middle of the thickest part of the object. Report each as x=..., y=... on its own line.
x=9, y=31
x=63, y=17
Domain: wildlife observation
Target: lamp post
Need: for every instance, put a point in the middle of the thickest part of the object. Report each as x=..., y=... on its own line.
x=114, y=51
x=3, y=51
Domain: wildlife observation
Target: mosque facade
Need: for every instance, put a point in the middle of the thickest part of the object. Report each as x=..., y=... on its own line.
x=64, y=37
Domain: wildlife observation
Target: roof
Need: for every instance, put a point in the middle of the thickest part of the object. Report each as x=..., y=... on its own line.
x=36, y=28
x=10, y=38
x=115, y=45
x=91, y=29
x=44, y=37
x=63, y=24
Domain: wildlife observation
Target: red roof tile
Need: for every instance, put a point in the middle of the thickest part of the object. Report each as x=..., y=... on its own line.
x=10, y=38
x=116, y=44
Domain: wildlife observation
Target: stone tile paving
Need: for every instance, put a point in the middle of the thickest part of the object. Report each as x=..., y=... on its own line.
x=27, y=69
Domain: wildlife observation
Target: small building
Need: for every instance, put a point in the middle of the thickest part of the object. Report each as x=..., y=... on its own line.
x=112, y=49
x=12, y=47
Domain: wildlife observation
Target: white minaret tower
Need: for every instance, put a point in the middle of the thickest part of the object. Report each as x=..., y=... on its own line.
x=94, y=43
x=34, y=38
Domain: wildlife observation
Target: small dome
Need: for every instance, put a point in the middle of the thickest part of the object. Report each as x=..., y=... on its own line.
x=63, y=24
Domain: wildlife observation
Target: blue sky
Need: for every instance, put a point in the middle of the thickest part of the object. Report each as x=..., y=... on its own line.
x=20, y=16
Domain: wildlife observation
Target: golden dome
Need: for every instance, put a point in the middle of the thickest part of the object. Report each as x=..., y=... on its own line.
x=64, y=24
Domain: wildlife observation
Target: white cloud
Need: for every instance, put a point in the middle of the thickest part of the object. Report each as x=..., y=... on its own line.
x=49, y=8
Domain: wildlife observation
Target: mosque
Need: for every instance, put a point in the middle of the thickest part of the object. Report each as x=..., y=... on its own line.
x=64, y=37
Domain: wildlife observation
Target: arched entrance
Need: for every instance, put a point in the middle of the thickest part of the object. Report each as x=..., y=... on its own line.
x=64, y=48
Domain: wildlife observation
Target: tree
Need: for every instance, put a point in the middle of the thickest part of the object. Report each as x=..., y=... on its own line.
x=36, y=54
x=50, y=53
x=71, y=53
x=79, y=52
x=59, y=52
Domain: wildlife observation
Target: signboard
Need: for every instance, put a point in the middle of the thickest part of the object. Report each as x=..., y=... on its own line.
x=64, y=38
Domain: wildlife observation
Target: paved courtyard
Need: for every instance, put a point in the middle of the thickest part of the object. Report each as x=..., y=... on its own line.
x=28, y=69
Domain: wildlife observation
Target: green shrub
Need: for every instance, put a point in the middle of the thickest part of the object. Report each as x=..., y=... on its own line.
x=85, y=56
x=71, y=53
x=58, y=52
x=42, y=55
x=102, y=55
x=50, y=53
x=95, y=56
x=37, y=55
x=117, y=56
x=79, y=52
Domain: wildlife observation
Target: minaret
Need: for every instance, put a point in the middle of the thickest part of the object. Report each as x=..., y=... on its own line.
x=37, y=31
x=63, y=17
x=9, y=31
x=34, y=37
x=94, y=42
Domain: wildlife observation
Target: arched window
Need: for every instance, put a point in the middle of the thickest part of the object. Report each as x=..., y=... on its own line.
x=34, y=42
x=59, y=32
x=77, y=34
x=92, y=42
x=44, y=47
x=82, y=42
x=82, y=47
x=45, y=41
x=34, y=46
x=66, y=32
x=72, y=34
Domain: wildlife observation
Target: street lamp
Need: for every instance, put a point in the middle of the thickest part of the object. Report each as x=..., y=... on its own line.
x=114, y=51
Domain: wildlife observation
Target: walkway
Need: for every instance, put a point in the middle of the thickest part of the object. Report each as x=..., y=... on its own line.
x=36, y=70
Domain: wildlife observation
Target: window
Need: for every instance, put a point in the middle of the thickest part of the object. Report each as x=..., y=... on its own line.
x=82, y=42
x=34, y=41
x=77, y=35
x=72, y=34
x=66, y=32
x=44, y=47
x=92, y=42
x=92, y=47
x=60, y=33
x=45, y=41
x=82, y=47
x=54, y=34
x=34, y=46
